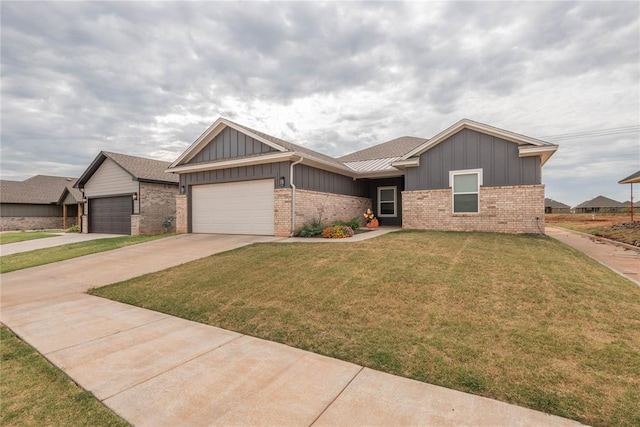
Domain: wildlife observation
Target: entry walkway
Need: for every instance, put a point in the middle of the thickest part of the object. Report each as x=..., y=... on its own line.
x=158, y=370
x=625, y=262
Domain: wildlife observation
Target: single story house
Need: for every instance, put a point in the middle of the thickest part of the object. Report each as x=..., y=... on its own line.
x=553, y=206
x=631, y=179
x=38, y=203
x=471, y=176
x=600, y=204
x=127, y=195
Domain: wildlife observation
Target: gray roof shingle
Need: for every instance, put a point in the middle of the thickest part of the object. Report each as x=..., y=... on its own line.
x=143, y=169
x=395, y=148
x=550, y=203
x=601, y=202
x=139, y=168
x=39, y=189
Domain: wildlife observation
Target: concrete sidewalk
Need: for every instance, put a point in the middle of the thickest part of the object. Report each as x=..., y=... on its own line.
x=154, y=369
x=50, y=242
x=625, y=262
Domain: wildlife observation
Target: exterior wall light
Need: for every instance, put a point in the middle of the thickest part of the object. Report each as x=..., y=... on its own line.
x=135, y=196
x=282, y=181
x=182, y=189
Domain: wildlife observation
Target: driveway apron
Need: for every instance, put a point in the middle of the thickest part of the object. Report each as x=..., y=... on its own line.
x=158, y=370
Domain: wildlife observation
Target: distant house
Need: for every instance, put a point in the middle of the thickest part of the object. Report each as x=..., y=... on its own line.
x=553, y=206
x=40, y=202
x=128, y=195
x=600, y=204
x=469, y=177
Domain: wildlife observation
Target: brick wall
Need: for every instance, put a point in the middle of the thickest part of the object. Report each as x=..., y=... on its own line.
x=312, y=205
x=282, y=212
x=157, y=202
x=135, y=225
x=181, y=214
x=10, y=223
x=510, y=209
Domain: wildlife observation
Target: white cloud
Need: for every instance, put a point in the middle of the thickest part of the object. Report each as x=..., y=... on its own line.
x=148, y=78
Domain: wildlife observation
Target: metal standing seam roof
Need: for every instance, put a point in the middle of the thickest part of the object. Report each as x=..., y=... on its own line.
x=373, y=165
x=601, y=202
x=39, y=189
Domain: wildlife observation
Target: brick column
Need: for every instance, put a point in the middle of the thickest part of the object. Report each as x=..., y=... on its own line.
x=181, y=214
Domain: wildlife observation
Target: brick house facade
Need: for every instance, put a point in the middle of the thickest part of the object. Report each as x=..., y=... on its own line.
x=470, y=177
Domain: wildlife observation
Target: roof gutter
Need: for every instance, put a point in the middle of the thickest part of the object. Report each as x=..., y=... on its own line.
x=293, y=195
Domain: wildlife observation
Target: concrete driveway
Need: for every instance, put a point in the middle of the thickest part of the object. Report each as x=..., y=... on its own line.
x=158, y=370
x=50, y=242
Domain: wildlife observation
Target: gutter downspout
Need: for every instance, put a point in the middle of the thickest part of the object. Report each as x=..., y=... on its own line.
x=293, y=196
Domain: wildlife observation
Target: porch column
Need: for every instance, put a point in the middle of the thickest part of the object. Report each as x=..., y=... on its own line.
x=64, y=217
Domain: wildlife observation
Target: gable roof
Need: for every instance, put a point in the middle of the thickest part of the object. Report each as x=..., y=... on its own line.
x=284, y=150
x=527, y=146
x=140, y=168
x=601, y=202
x=550, y=203
x=39, y=189
x=382, y=160
x=631, y=179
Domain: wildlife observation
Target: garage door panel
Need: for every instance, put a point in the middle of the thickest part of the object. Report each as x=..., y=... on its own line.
x=233, y=208
x=110, y=215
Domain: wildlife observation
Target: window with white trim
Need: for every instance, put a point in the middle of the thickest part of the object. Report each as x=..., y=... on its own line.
x=387, y=202
x=465, y=189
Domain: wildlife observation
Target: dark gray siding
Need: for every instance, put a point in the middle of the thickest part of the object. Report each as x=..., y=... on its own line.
x=305, y=178
x=230, y=144
x=244, y=173
x=309, y=178
x=23, y=209
x=469, y=149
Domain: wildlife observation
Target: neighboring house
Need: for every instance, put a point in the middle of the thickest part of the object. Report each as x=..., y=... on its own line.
x=631, y=204
x=600, y=204
x=471, y=176
x=127, y=195
x=553, y=206
x=40, y=202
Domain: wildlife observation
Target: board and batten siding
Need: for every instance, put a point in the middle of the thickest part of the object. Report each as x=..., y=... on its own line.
x=230, y=144
x=110, y=179
x=470, y=149
x=310, y=178
x=244, y=173
x=305, y=178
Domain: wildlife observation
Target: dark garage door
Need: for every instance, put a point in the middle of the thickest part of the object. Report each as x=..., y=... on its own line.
x=110, y=215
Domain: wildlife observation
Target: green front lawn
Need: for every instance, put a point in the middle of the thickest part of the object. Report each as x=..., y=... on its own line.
x=23, y=236
x=521, y=319
x=73, y=250
x=36, y=393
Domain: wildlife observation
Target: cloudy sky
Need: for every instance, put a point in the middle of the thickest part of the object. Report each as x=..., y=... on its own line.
x=147, y=79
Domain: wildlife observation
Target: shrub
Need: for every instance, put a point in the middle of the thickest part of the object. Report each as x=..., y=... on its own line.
x=310, y=229
x=73, y=229
x=354, y=224
x=337, y=232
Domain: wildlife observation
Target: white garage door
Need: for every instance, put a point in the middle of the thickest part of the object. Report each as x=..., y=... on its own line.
x=233, y=208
